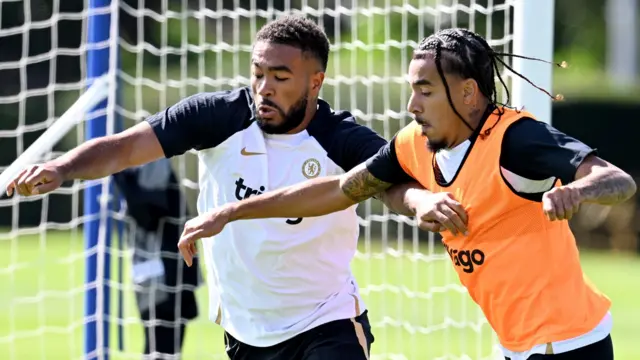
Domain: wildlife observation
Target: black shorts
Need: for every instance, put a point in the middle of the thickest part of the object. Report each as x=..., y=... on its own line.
x=601, y=350
x=348, y=339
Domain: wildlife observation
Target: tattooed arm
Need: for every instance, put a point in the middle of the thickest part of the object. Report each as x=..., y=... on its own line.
x=538, y=151
x=359, y=184
x=330, y=194
x=535, y=150
x=316, y=197
x=598, y=181
x=326, y=195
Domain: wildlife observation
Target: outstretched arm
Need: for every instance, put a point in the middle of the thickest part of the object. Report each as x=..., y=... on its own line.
x=94, y=159
x=186, y=125
x=435, y=212
x=183, y=126
x=372, y=168
x=316, y=197
x=311, y=198
x=323, y=196
x=375, y=173
x=108, y=155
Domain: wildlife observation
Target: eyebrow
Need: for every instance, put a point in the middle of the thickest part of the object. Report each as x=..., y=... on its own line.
x=422, y=82
x=275, y=68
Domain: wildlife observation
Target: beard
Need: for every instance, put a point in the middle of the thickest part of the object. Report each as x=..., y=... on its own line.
x=436, y=146
x=290, y=120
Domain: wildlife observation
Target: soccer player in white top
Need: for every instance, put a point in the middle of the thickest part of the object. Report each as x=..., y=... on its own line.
x=281, y=288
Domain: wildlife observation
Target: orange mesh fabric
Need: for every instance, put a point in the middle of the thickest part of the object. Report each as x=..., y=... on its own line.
x=523, y=270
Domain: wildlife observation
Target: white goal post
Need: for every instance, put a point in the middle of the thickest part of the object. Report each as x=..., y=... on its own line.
x=67, y=292
x=533, y=36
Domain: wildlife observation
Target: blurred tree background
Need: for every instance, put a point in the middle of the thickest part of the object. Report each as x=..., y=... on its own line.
x=179, y=50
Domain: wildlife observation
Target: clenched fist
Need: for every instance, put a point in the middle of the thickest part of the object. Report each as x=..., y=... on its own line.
x=561, y=203
x=36, y=180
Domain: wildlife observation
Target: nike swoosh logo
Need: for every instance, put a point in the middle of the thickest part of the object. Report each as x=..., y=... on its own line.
x=248, y=153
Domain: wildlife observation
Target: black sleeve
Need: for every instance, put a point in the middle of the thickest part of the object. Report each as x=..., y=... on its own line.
x=354, y=144
x=536, y=150
x=200, y=121
x=385, y=165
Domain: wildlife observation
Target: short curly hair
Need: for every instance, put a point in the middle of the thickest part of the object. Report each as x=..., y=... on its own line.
x=298, y=32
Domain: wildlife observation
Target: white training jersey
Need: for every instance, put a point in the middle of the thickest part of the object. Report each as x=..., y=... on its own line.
x=270, y=279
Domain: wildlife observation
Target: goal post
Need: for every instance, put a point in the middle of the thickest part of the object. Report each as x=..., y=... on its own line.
x=139, y=57
x=533, y=36
x=101, y=58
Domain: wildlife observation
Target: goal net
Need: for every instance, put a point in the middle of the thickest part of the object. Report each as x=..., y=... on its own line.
x=165, y=50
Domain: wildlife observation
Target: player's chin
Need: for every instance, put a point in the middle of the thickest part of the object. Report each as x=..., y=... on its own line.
x=434, y=144
x=271, y=121
x=269, y=124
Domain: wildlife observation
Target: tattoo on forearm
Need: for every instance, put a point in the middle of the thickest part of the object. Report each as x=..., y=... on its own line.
x=603, y=183
x=611, y=189
x=361, y=185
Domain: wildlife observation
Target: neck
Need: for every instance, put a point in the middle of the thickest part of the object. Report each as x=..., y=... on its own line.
x=475, y=119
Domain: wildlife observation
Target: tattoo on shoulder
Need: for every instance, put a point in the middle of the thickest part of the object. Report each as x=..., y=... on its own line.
x=359, y=184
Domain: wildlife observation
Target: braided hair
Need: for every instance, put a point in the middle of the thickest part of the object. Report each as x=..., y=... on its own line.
x=465, y=53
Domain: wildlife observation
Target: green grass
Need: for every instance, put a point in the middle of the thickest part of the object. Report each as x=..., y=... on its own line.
x=415, y=314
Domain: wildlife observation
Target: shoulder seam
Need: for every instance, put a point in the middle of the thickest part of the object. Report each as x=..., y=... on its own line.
x=247, y=120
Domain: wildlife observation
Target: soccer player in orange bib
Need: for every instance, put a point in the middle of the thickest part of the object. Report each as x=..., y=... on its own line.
x=500, y=187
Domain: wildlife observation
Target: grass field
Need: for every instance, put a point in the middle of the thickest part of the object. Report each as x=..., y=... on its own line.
x=416, y=305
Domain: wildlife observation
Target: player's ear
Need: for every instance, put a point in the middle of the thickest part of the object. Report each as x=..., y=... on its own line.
x=470, y=91
x=316, y=82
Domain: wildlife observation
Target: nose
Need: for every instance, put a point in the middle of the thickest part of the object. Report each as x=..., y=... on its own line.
x=265, y=88
x=413, y=106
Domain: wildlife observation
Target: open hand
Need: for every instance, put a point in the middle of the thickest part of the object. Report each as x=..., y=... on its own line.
x=561, y=203
x=439, y=212
x=202, y=226
x=36, y=180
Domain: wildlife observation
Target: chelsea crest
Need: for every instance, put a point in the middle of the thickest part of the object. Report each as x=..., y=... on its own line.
x=311, y=168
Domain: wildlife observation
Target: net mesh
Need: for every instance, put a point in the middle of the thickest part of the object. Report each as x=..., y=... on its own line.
x=172, y=49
